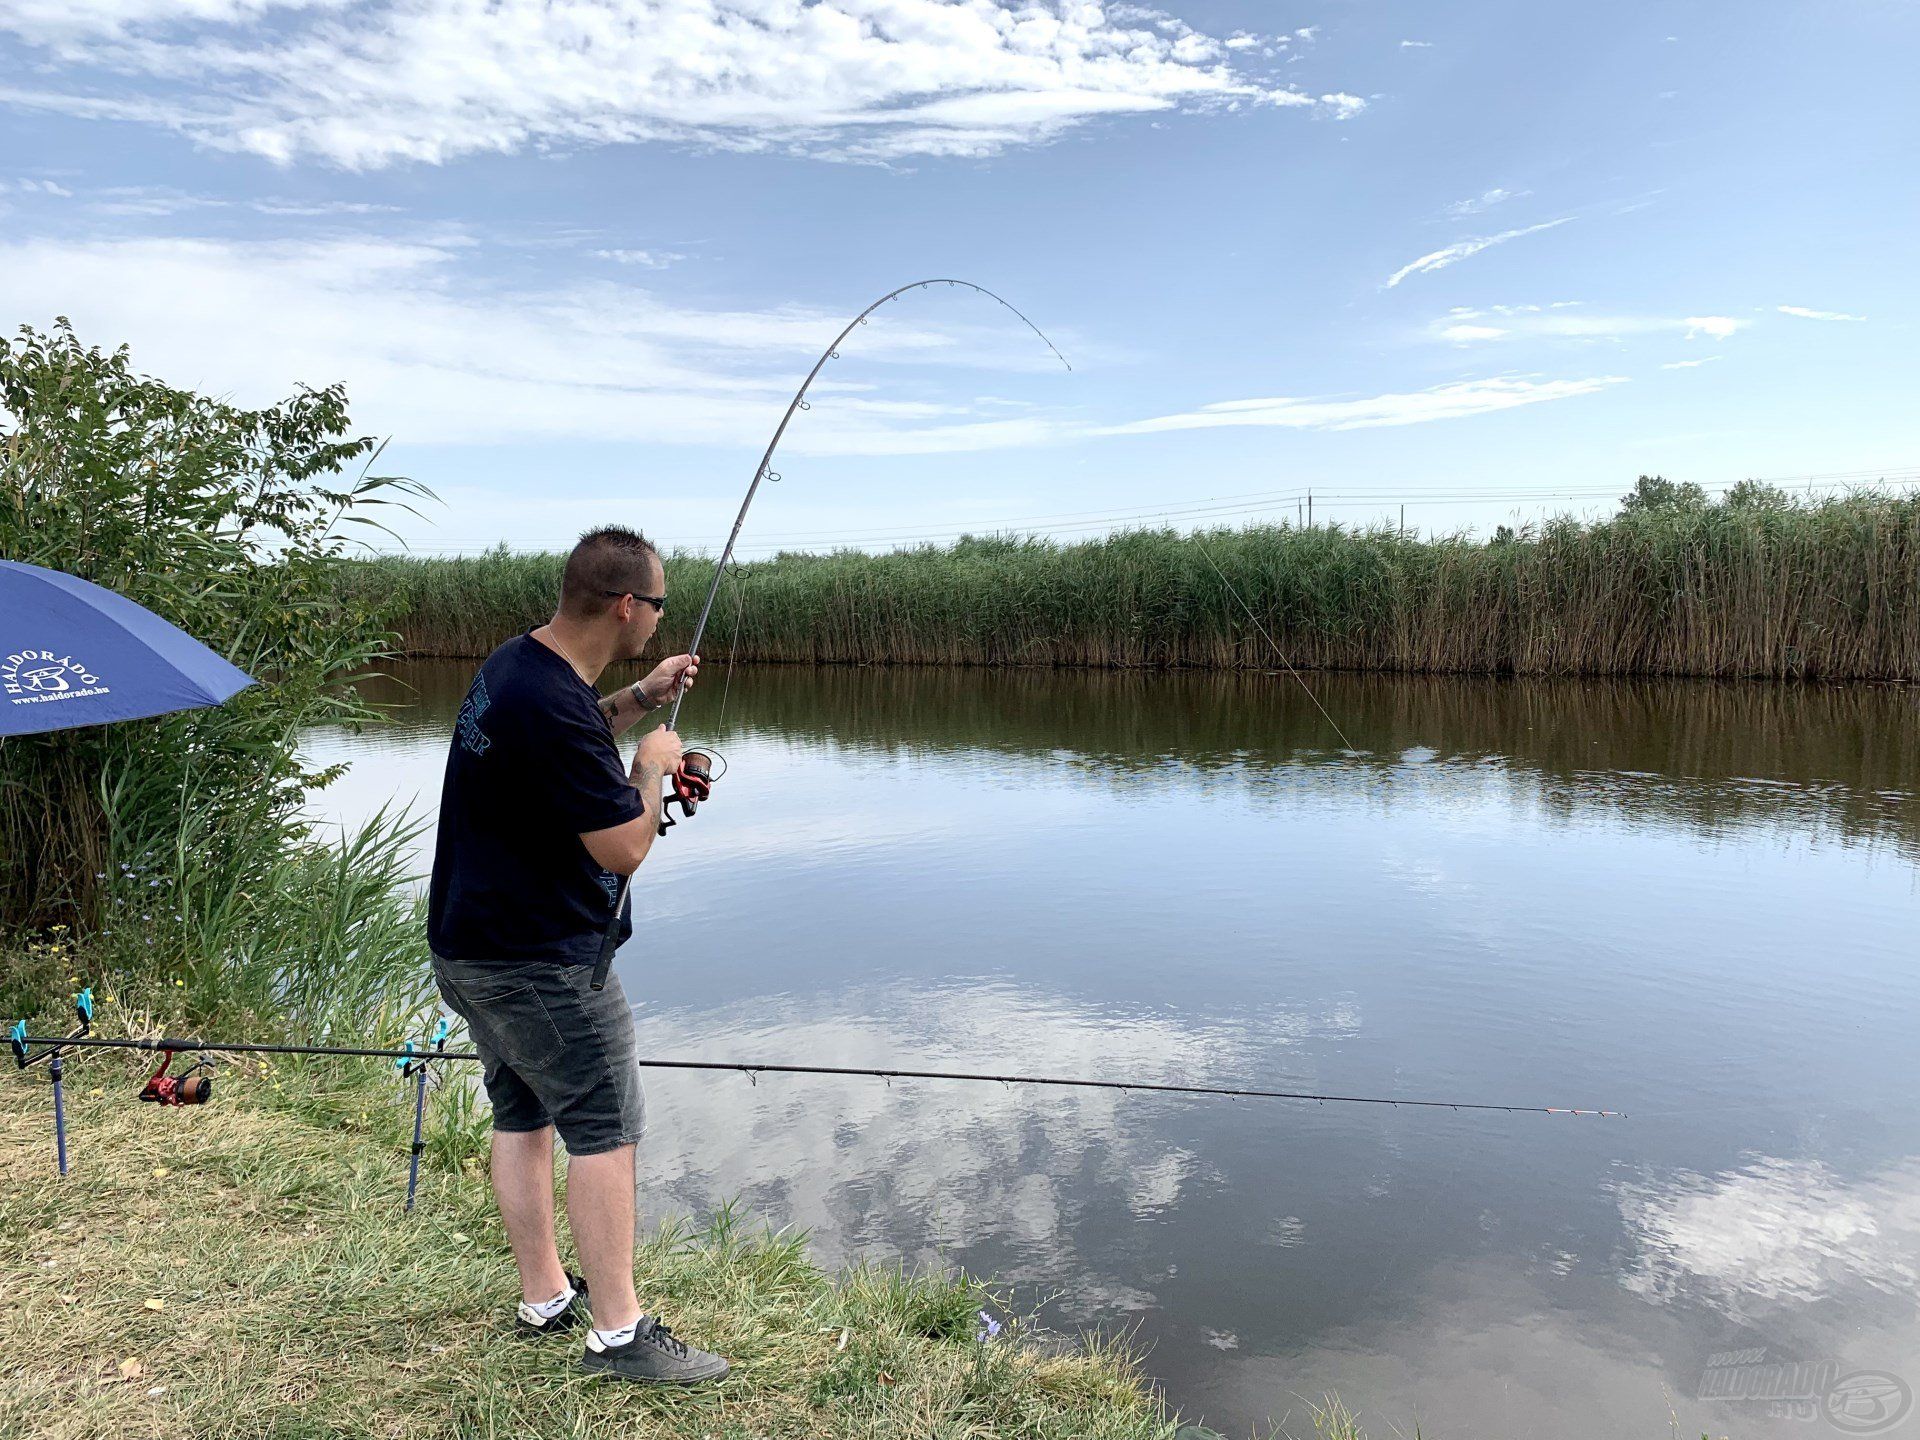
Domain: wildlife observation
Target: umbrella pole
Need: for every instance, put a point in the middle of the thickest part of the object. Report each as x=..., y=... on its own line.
x=54, y=1070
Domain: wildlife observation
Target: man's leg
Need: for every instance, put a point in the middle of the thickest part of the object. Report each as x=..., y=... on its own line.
x=600, y=1210
x=523, y=1187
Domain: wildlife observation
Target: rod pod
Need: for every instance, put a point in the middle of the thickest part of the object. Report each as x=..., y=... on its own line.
x=18, y=1041
x=417, y=1070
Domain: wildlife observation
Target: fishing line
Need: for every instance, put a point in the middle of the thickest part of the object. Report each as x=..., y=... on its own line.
x=1271, y=641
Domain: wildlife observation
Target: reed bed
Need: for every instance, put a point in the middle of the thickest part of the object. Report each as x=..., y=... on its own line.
x=1824, y=590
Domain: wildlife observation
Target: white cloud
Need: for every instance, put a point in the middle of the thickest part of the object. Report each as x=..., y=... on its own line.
x=1452, y=401
x=159, y=200
x=1714, y=327
x=1416, y=44
x=1689, y=364
x=650, y=259
x=1485, y=200
x=1564, y=321
x=1460, y=250
x=1805, y=314
x=51, y=188
x=1343, y=106
x=72, y=21
x=431, y=352
x=430, y=80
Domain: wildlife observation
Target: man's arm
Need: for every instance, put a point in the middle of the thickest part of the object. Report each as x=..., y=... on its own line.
x=621, y=848
x=624, y=709
x=627, y=706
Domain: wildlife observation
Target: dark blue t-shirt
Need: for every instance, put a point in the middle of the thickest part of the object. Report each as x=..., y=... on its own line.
x=531, y=768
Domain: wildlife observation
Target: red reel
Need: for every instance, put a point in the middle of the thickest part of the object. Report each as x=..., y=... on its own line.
x=692, y=782
x=187, y=1088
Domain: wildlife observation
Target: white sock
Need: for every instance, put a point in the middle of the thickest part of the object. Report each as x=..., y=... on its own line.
x=539, y=1312
x=609, y=1339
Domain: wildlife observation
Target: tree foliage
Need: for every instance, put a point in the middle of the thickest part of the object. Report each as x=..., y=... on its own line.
x=231, y=523
x=1656, y=492
x=1757, y=495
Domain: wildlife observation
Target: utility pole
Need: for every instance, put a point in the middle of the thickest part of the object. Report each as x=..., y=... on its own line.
x=1309, y=509
x=1403, y=517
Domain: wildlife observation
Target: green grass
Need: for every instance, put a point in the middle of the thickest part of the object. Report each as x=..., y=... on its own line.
x=1826, y=590
x=257, y=929
x=245, y=1269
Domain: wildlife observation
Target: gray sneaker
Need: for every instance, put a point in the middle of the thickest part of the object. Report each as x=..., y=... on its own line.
x=654, y=1356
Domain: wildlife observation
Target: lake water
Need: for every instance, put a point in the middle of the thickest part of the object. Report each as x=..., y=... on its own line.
x=1695, y=903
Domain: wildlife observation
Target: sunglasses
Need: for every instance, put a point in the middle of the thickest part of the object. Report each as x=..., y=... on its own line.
x=658, y=602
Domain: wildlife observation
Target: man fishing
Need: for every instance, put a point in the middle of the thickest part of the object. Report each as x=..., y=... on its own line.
x=539, y=822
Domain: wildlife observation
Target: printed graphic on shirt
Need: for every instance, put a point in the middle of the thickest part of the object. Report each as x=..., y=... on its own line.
x=473, y=739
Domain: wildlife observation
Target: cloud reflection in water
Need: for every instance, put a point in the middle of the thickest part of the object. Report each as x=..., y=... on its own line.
x=917, y=1167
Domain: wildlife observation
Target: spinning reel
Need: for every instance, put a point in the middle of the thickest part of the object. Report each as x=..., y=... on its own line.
x=192, y=1086
x=691, y=783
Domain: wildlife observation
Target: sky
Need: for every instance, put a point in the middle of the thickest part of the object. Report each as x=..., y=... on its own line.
x=571, y=257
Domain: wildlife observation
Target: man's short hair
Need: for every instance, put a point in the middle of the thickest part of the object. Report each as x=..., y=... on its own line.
x=612, y=559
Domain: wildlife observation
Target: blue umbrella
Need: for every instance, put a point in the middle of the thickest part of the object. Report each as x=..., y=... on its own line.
x=72, y=653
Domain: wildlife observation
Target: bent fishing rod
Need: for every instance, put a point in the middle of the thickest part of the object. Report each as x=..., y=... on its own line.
x=692, y=780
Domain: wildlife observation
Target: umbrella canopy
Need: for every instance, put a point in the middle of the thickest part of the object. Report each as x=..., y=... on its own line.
x=72, y=653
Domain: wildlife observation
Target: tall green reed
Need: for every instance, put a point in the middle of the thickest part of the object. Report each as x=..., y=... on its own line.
x=1824, y=590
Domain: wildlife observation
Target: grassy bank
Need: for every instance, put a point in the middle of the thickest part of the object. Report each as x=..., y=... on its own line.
x=1766, y=587
x=245, y=1270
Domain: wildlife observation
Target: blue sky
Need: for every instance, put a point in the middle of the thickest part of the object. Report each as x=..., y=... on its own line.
x=572, y=256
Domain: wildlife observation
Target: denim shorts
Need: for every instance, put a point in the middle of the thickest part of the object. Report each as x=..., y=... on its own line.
x=553, y=1051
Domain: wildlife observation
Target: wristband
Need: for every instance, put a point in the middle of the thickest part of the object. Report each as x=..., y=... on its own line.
x=640, y=697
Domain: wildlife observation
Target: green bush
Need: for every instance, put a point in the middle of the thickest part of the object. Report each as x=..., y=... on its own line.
x=179, y=834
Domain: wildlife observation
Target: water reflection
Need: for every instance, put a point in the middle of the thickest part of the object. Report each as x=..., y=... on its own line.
x=1774, y=1234
x=1837, y=761
x=939, y=1165
x=1693, y=902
